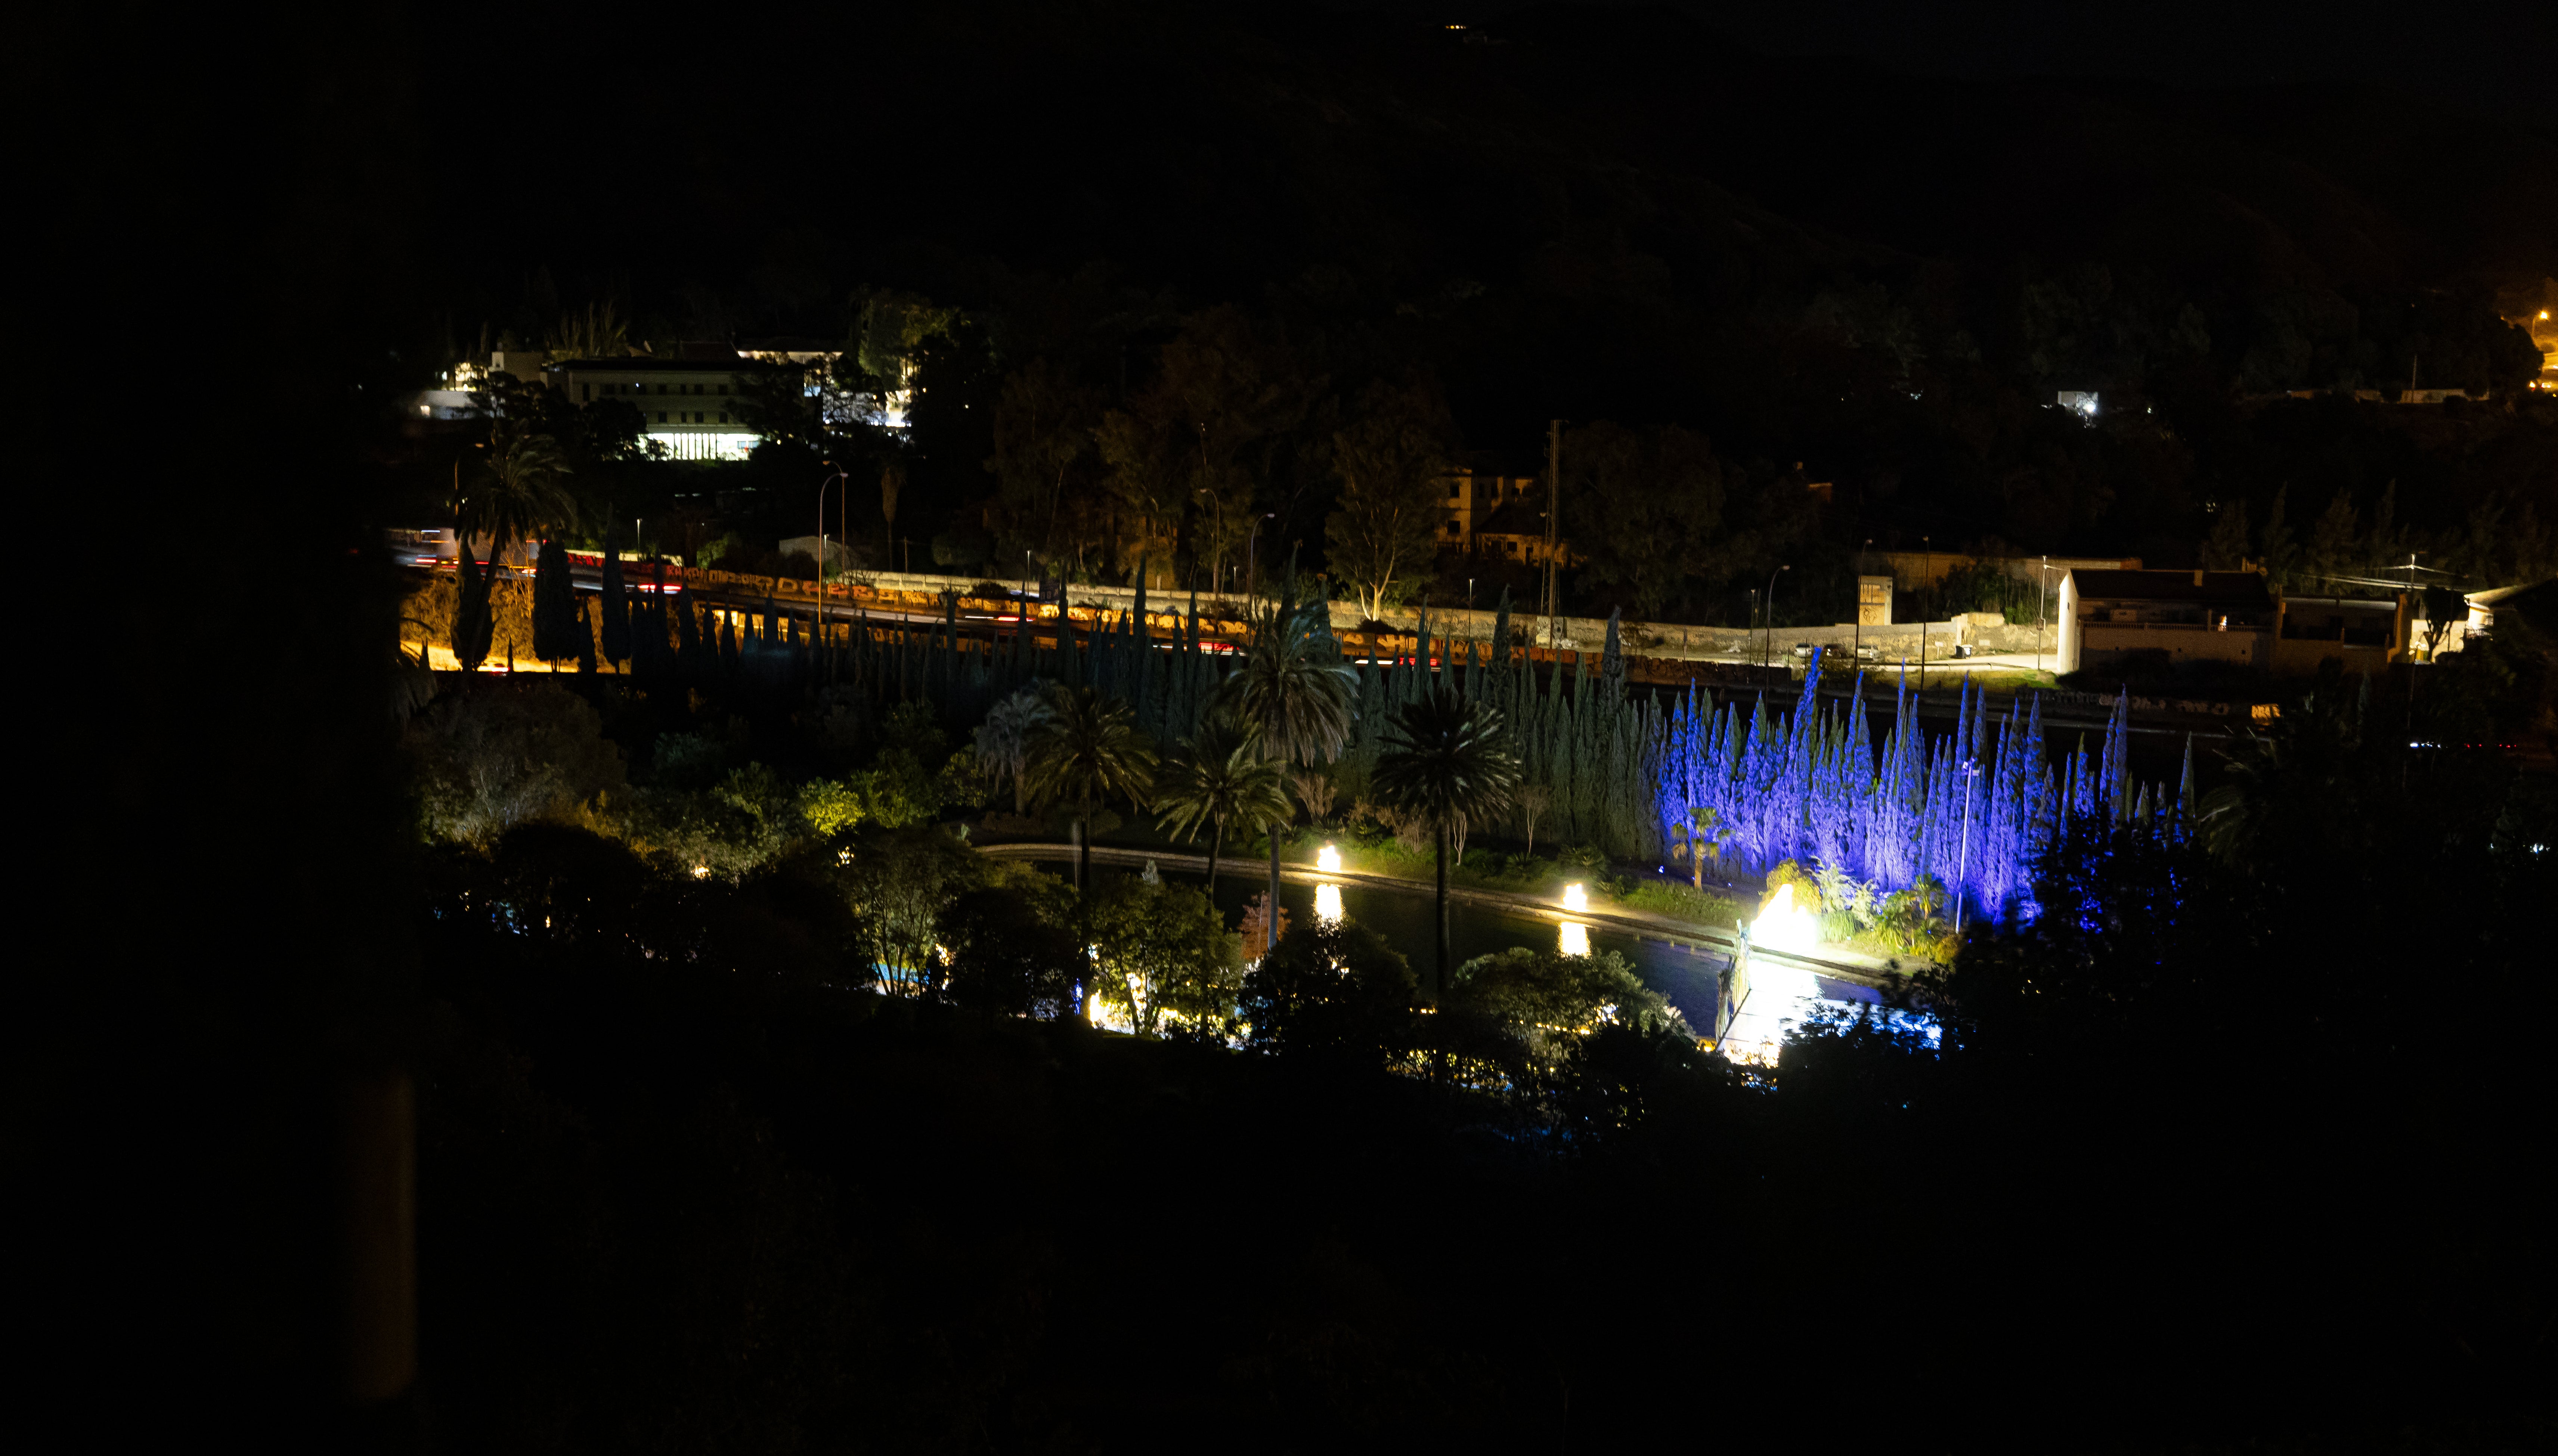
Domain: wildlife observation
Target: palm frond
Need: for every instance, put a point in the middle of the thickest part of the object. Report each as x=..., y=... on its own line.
x=1292, y=691
x=1449, y=759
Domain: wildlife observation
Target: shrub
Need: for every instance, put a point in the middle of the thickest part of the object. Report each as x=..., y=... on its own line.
x=1163, y=958
x=1010, y=942
x=499, y=754
x=1579, y=858
x=1687, y=902
x=1545, y=1002
x=1335, y=993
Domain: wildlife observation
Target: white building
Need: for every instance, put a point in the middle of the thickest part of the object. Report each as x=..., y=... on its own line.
x=687, y=407
x=2165, y=616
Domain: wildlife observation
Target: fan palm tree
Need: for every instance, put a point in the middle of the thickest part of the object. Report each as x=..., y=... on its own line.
x=1088, y=752
x=1708, y=835
x=1293, y=696
x=2299, y=783
x=1219, y=778
x=1451, y=762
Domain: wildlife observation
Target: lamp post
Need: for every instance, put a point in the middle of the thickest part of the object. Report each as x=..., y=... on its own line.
x=822, y=640
x=1252, y=558
x=1768, y=606
x=1963, y=844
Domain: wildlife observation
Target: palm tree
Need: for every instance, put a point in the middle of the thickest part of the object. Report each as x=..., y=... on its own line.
x=1219, y=778
x=515, y=494
x=1707, y=836
x=1004, y=742
x=1088, y=752
x=1293, y=696
x=519, y=494
x=1451, y=762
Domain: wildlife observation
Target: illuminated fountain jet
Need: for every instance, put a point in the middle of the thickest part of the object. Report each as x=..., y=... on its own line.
x=1774, y=997
x=1328, y=898
x=1575, y=937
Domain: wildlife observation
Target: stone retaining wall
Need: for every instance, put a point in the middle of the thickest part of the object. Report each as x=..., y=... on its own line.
x=922, y=591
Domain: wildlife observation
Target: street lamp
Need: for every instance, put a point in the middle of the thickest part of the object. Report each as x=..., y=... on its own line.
x=821, y=556
x=1963, y=848
x=1768, y=606
x=1252, y=558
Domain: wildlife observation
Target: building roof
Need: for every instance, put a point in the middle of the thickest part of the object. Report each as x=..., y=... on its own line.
x=649, y=364
x=1520, y=516
x=2241, y=589
x=788, y=344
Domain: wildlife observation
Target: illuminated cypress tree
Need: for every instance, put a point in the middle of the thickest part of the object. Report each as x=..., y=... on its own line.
x=688, y=642
x=614, y=601
x=475, y=626
x=555, y=635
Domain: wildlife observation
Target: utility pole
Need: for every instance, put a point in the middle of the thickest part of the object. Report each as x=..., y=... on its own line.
x=1767, y=658
x=1963, y=855
x=2407, y=665
x=1553, y=507
x=824, y=640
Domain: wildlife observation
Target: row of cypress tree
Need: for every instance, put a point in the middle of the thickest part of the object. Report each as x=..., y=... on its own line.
x=1627, y=771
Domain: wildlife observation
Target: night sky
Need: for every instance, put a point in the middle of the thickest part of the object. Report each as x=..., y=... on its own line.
x=2489, y=58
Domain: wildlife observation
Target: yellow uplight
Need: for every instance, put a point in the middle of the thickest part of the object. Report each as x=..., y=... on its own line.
x=1575, y=898
x=1329, y=860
